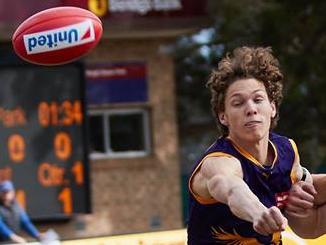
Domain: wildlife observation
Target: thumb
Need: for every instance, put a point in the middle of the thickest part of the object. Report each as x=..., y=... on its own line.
x=284, y=224
x=309, y=188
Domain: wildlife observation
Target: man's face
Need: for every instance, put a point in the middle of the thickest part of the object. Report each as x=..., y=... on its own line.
x=7, y=197
x=248, y=111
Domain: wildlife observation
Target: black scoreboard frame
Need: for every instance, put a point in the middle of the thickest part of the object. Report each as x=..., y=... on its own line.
x=55, y=215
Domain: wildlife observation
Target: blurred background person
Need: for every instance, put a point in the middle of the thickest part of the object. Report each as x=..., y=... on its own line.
x=13, y=219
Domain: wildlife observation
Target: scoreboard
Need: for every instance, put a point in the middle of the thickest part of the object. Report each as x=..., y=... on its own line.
x=43, y=138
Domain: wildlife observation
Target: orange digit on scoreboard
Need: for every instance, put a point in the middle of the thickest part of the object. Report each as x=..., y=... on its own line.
x=44, y=114
x=77, y=111
x=21, y=198
x=65, y=198
x=16, y=147
x=78, y=171
x=62, y=145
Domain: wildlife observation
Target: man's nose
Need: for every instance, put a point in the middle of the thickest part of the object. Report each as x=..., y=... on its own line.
x=251, y=108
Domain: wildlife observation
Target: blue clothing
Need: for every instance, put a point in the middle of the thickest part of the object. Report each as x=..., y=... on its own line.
x=13, y=219
x=211, y=222
x=6, y=185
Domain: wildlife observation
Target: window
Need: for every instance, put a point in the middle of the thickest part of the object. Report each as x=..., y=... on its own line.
x=119, y=133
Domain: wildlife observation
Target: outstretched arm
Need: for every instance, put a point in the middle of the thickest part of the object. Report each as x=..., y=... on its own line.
x=28, y=226
x=221, y=178
x=7, y=234
x=5, y=231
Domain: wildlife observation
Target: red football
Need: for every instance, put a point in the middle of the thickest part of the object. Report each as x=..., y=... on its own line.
x=57, y=36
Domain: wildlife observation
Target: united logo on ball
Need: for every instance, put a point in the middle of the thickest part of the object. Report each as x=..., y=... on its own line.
x=57, y=36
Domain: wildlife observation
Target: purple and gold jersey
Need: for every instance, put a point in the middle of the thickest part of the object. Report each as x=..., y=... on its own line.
x=211, y=222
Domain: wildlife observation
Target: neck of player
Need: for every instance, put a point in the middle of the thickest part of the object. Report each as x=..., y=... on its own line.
x=260, y=149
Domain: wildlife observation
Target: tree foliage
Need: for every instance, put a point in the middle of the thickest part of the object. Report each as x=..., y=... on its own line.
x=296, y=30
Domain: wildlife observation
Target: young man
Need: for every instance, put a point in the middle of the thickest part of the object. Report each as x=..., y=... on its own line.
x=239, y=186
x=12, y=218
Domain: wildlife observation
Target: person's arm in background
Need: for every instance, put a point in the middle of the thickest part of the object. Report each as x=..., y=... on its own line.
x=28, y=226
x=313, y=224
x=8, y=234
x=319, y=181
x=221, y=178
x=300, y=203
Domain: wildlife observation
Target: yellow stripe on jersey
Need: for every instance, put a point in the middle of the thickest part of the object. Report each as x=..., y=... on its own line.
x=294, y=172
x=252, y=159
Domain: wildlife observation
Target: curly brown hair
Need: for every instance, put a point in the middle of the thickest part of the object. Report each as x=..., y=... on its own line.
x=246, y=62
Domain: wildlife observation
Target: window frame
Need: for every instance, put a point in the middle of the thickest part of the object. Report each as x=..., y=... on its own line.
x=106, y=113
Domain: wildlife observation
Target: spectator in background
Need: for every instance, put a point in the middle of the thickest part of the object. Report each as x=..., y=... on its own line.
x=13, y=219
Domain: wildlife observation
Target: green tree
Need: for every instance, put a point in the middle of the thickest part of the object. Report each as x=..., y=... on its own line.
x=296, y=30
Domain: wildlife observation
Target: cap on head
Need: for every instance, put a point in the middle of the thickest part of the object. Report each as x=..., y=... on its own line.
x=6, y=186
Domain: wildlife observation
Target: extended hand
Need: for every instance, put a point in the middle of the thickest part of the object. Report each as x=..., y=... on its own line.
x=300, y=200
x=270, y=221
x=17, y=239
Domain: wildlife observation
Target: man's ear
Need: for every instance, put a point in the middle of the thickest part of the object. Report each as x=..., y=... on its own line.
x=273, y=109
x=223, y=119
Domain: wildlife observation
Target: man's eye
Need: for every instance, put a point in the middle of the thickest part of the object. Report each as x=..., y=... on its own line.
x=258, y=100
x=236, y=103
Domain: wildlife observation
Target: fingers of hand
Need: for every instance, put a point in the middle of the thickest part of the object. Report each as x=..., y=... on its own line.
x=304, y=192
x=295, y=209
x=296, y=202
x=305, y=187
x=298, y=212
x=278, y=218
x=306, y=196
x=265, y=227
x=270, y=221
x=309, y=188
x=300, y=200
x=259, y=228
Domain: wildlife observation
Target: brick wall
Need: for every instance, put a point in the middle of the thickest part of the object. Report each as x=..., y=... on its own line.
x=136, y=194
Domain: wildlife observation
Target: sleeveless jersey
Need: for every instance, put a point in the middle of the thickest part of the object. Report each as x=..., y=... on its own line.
x=211, y=222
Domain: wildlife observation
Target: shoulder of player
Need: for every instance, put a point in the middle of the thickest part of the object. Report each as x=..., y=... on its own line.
x=221, y=165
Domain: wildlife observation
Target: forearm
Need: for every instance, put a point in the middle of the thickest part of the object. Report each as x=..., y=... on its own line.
x=5, y=231
x=319, y=181
x=237, y=195
x=312, y=226
x=28, y=226
x=304, y=227
x=244, y=204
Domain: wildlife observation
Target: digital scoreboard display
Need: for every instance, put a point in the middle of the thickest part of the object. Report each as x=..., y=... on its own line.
x=42, y=135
